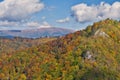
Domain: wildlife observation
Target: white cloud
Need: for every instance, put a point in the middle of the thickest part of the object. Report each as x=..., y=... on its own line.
x=23, y=25
x=32, y=24
x=8, y=24
x=45, y=25
x=43, y=17
x=38, y=25
x=85, y=13
x=67, y=19
x=15, y=10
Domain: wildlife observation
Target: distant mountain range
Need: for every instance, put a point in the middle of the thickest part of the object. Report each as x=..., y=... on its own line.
x=35, y=33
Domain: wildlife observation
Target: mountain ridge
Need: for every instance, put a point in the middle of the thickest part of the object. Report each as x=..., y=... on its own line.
x=36, y=33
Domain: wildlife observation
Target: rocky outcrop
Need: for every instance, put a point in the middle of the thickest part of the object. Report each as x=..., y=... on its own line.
x=101, y=33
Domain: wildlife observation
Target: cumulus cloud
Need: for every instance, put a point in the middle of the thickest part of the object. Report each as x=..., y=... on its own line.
x=67, y=19
x=16, y=10
x=85, y=13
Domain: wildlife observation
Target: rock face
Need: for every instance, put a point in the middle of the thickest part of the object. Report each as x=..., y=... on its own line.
x=87, y=55
x=101, y=33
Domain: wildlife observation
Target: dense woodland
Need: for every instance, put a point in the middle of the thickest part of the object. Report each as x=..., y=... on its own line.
x=89, y=54
x=17, y=43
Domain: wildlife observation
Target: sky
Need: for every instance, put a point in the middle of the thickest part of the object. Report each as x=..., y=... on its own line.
x=70, y=14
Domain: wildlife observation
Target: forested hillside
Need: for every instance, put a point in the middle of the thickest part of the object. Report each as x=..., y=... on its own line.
x=17, y=43
x=89, y=54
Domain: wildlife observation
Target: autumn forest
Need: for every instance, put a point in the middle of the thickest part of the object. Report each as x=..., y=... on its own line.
x=89, y=54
